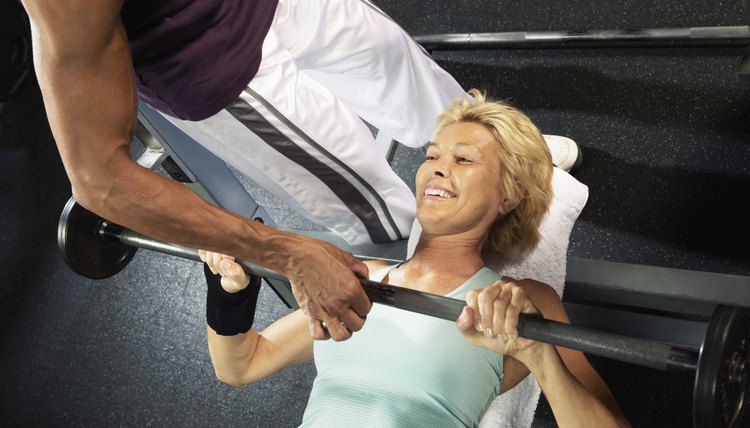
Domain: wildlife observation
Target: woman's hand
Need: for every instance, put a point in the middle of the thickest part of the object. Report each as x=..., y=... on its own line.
x=490, y=319
x=233, y=276
x=577, y=395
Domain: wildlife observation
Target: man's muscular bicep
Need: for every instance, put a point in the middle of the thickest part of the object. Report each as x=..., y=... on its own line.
x=83, y=64
x=73, y=27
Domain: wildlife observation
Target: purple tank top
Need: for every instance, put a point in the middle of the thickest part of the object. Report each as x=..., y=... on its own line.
x=193, y=57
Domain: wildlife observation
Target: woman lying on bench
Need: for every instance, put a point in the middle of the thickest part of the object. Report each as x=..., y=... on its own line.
x=484, y=186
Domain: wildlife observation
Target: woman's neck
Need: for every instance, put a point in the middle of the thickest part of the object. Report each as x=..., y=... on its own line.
x=439, y=265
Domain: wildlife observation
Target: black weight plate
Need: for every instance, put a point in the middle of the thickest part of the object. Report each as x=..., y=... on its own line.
x=82, y=249
x=721, y=394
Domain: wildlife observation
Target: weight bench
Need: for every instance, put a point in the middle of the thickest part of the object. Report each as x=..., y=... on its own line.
x=667, y=305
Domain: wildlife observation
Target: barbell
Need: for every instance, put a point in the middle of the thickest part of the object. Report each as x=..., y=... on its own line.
x=96, y=248
x=686, y=36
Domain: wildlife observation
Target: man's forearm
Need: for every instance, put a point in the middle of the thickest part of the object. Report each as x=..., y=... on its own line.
x=161, y=208
x=128, y=194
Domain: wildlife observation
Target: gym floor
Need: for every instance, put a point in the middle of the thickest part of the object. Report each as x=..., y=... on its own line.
x=666, y=138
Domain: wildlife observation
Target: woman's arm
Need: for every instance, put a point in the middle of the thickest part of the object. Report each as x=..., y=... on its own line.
x=577, y=395
x=249, y=357
x=546, y=299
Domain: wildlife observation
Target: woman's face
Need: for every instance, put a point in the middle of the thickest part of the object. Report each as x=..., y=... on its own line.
x=459, y=186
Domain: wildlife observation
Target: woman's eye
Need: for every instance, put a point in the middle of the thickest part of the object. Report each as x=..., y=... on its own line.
x=463, y=160
x=429, y=157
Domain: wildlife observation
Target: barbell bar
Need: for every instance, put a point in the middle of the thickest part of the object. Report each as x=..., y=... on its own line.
x=687, y=36
x=97, y=248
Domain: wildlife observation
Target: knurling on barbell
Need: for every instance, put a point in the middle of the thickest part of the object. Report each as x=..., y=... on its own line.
x=96, y=248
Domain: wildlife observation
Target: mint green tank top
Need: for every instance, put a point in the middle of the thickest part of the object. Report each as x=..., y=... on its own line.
x=404, y=369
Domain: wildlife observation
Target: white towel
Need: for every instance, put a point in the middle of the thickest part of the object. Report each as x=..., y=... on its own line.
x=547, y=263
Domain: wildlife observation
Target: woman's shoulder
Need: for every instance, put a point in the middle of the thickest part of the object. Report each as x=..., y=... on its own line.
x=375, y=265
x=545, y=298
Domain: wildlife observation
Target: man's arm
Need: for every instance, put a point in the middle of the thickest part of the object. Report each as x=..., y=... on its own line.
x=85, y=72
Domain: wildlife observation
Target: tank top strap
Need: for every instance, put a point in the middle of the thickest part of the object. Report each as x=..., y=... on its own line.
x=381, y=273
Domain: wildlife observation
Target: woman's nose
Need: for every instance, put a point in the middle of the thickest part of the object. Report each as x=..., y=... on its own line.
x=440, y=169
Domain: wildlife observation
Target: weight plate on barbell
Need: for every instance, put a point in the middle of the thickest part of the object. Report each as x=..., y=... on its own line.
x=721, y=394
x=83, y=250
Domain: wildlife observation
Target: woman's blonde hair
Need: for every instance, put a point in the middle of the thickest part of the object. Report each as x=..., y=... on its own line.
x=526, y=166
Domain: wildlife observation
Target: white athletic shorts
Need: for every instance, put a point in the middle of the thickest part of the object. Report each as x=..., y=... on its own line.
x=325, y=65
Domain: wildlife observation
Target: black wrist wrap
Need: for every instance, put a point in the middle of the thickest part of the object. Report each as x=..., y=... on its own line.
x=230, y=313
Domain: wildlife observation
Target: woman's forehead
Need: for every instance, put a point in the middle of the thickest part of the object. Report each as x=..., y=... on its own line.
x=464, y=134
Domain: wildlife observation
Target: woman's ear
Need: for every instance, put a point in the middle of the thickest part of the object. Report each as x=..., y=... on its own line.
x=512, y=199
